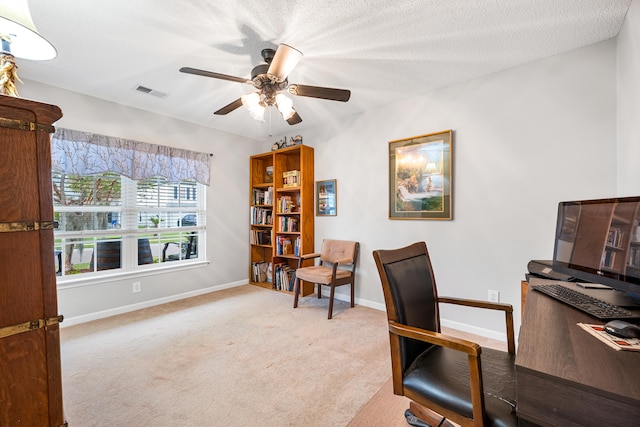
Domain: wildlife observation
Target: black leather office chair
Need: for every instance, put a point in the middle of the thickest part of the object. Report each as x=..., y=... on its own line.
x=455, y=378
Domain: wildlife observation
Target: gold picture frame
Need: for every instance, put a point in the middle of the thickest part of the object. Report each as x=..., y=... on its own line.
x=327, y=198
x=420, y=177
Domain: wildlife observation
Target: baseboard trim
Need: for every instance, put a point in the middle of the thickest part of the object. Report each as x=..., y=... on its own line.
x=487, y=333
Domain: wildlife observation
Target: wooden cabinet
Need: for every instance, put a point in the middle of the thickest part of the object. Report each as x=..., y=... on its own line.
x=30, y=370
x=282, y=217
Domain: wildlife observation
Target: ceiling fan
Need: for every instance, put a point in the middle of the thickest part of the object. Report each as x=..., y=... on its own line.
x=271, y=80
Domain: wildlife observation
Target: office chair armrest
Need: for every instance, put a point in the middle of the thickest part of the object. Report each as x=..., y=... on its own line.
x=435, y=338
x=508, y=313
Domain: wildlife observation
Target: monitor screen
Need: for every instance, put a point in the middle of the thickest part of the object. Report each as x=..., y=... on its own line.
x=598, y=241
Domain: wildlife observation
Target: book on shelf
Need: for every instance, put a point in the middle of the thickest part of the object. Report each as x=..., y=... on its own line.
x=261, y=216
x=261, y=237
x=263, y=197
x=632, y=344
x=287, y=246
x=285, y=204
x=287, y=224
x=260, y=271
x=284, y=277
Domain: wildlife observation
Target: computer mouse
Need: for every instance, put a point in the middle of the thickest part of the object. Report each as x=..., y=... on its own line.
x=622, y=329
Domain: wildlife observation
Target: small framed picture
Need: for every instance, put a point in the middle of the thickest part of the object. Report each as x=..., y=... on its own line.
x=420, y=177
x=326, y=198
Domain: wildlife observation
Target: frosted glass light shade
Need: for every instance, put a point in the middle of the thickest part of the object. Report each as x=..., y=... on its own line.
x=251, y=102
x=285, y=106
x=26, y=42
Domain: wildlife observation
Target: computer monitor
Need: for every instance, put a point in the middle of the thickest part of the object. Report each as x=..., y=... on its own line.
x=598, y=241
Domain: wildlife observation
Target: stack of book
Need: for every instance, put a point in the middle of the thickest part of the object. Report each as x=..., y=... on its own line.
x=261, y=216
x=283, y=278
x=261, y=237
x=287, y=224
x=285, y=204
x=263, y=197
x=261, y=272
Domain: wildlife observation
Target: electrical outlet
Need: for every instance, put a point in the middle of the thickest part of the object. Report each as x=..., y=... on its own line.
x=494, y=296
x=137, y=287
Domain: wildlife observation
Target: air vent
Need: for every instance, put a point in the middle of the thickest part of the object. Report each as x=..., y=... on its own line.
x=150, y=91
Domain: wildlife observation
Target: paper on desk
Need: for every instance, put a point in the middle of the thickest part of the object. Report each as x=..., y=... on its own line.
x=598, y=331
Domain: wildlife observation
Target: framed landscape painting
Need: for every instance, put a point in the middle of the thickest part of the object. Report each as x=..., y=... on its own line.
x=420, y=177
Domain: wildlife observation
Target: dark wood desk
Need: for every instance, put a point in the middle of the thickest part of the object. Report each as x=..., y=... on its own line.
x=567, y=377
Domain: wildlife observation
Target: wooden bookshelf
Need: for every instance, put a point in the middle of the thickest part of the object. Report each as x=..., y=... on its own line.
x=282, y=216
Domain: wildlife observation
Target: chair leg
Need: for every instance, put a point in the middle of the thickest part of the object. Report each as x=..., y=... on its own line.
x=319, y=290
x=333, y=289
x=296, y=287
x=353, y=285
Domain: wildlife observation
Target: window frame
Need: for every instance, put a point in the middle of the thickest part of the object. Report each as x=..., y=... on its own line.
x=129, y=231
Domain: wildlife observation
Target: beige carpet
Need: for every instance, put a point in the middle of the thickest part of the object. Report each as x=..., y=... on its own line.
x=238, y=357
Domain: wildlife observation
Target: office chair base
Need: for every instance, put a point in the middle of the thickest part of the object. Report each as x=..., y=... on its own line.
x=413, y=420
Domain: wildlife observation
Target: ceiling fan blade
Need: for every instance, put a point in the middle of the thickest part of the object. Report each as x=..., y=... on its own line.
x=229, y=108
x=285, y=59
x=294, y=119
x=320, y=92
x=204, y=73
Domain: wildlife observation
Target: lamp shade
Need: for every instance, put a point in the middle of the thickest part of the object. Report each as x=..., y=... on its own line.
x=25, y=42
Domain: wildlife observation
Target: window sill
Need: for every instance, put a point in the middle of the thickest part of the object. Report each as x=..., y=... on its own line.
x=68, y=283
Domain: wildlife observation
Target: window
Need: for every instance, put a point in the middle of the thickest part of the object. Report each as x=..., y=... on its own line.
x=125, y=205
x=108, y=223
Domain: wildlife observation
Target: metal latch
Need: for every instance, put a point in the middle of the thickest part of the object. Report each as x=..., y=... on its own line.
x=31, y=325
x=7, y=227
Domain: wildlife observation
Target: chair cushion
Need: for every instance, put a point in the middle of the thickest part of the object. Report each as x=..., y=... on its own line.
x=335, y=250
x=320, y=274
x=442, y=376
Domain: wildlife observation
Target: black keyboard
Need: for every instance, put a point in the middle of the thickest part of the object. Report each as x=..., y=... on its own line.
x=590, y=305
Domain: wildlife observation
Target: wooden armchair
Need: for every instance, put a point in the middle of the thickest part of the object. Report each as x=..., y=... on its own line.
x=455, y=378
x=338, y=260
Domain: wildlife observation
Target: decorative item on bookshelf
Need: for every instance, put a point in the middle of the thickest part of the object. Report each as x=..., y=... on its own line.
x=291, y=178
x=268, y=174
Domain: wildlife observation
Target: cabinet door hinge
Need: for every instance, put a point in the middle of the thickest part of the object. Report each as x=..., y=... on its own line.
x=31, y=325
x=7, y=227
x=25, y=125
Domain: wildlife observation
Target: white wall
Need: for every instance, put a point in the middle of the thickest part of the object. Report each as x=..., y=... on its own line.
x=227, y=233
x=629, y=103
x=524, y=140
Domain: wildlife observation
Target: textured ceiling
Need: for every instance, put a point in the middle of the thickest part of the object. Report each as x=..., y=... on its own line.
x=382, y=51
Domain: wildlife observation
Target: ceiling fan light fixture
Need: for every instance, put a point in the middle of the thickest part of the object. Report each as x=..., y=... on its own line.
x=285, y=106
x=251, y=102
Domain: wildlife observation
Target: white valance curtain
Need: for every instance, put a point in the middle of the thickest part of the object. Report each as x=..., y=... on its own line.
x=83, y=153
